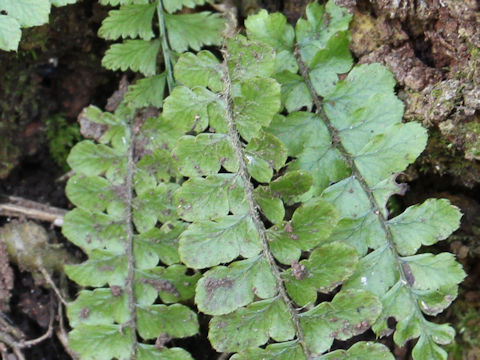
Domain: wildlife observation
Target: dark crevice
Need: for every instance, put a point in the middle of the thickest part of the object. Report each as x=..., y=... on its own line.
x=423, y=50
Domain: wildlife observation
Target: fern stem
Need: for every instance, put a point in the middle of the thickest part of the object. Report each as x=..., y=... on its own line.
x=253, y=207
x=334, y=134
x=129, y=281
x=165, y=46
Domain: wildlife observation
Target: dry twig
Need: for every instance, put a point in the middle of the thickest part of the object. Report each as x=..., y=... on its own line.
x=19, y=207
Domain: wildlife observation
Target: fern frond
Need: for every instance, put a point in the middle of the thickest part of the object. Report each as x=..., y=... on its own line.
x=252, y=297
x=177, y=33
x=356, y=146
x=119, y=203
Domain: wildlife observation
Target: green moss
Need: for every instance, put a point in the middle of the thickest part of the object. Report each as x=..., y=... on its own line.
x=61, y=137
x=8, y=156
x=20, y=105
x=33, y=39
x=443, y=158
x=472, y=144
x=467, y=325
x=437, y=92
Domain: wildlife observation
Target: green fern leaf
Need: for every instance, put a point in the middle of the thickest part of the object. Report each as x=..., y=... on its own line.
x=327, y=265
x=292, y=184
x=173, y=5
x=177, y=32
x=193, y=30
x=10, y=33
x=153, y=169
x=265, y=154
x=201, y=69
x=204, y=155
x=310, y=224
x=94, y=230
x=23, y=13
x=246, y=65
x=322, y=23
x=253, y=326
x=159, y=134
x=424, y=224
x=62, y=2
x=18, y=14
x=175, y=321
x=109, y=267
x=125, y=220
x=161, y=243
x=280, y=351
x=190, y=109
x=136, y=55
x=206, y=244
x=146, y=92
x=350, y=313
x=272, y=29
x=153, y=206
x=321, y=179
x=211, y=197
x=91, y=159
x=130, y=21
x=151, y=352
x=124, y=2
x=360, y=351
x=97, y=307
x=171, y=284
x=223, y=290
x=27, y=12
x=271, y=205
x=102, y=342
x=261, y=102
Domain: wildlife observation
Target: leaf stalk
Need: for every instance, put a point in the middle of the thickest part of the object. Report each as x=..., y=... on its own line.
x=165, y=46
x=253, y=207
x=129, y=281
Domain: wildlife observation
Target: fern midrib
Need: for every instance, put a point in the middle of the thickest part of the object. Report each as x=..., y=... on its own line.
x=304, y=72
x=129, y=281
x=253, y=207
x=165, y=46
